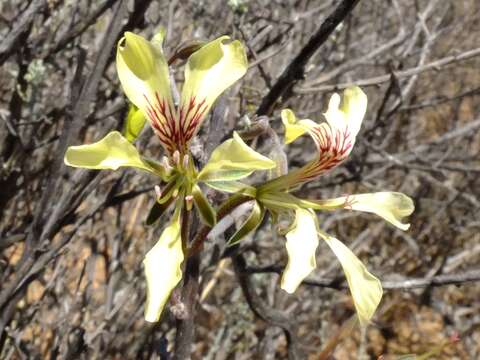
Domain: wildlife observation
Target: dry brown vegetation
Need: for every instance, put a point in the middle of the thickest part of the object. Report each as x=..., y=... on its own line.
x=72, y=242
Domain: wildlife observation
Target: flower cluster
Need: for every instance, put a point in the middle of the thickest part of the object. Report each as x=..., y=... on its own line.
x=144, y=75
x=210, y=69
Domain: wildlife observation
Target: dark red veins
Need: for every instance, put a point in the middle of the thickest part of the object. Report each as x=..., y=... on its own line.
x=175, y=129
x=334, y=146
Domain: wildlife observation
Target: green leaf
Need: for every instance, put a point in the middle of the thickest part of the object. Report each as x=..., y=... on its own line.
x=112, y=152
x=134, y=123
x=233, y=160
x=253, y=221
x=206, y=211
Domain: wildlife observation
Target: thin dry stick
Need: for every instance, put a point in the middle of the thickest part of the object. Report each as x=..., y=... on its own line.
x=377, y=80
x=260, y=309
x=295, y=71
x=404, y=284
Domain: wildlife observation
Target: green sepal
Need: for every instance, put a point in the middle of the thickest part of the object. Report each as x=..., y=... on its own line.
x=282, y=200
x=233, y=160
x=253, y=221
x=159, y=169
x=206, y=211
x=170, y=188
x=134, y=123
x=157, y=210
x=233, y=187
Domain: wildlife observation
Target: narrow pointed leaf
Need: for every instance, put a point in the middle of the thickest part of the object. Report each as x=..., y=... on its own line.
x=173, y=186
x=160, y=170
x=112, y=152
x=253, y=221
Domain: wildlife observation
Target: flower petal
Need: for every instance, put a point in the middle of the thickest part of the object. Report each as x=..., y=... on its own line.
x=365, y=288
x=143, y=73
x=163, y=269
x=348, y=113
x=302, y=241
x=233, y=160
x=391, y=206
x=134, y=123
x=112, y=152
x=208, y=73
x=295, y=128
x=334, y=138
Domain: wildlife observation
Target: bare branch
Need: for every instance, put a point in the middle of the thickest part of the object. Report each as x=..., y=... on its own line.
x=403, y=284
x=296, y=68
x=377, y=80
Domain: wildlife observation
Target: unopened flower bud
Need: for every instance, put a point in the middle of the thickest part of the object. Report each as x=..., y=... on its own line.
x=189, y=202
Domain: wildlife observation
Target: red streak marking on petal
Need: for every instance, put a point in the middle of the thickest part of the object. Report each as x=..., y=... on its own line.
x=174, y=129
x=334, y=145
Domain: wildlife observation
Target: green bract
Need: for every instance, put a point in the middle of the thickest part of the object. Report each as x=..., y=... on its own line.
x=253, y=221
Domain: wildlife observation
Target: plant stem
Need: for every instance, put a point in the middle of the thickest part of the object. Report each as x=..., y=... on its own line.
x=227, y=207
x=186, y=326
